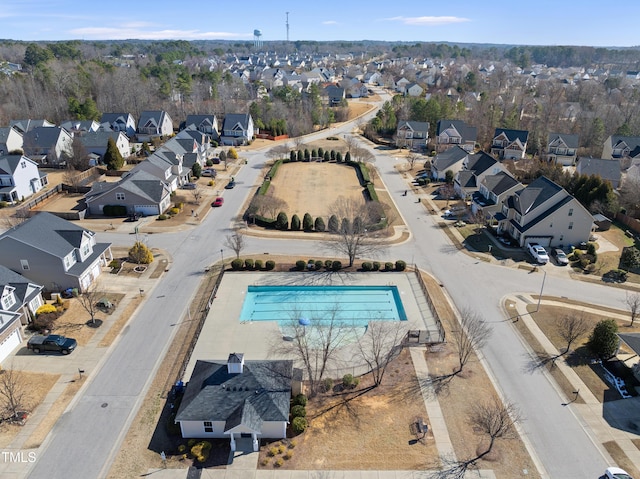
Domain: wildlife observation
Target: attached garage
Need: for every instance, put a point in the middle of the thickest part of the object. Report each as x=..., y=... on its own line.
x=544, y=241
x=10, y=342
x=146, y=210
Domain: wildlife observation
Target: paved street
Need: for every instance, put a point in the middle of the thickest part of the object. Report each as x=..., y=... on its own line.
x=93, y=429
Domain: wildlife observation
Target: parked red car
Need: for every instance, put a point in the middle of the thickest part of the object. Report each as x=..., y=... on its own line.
x=219, y=201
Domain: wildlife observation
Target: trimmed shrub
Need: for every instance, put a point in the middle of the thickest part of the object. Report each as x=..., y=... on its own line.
x=314, y=153
x=336, y=266
x=319, y=224
x=328, y=263
x=46, y=308
x=293, y=156
x=300, y=155
x=630, y=258
x=270, y=265
x=237, y=264
x=298, y=411
x=326, y=156
x=3, y=204
x=318, y=264
x=140, y=254
x=295, y=223
x=349, y=382
x=376, y=265
x=367, y=266
x=299, y=425
x=332, y=155
x=401, y=265
x=273, y=451
x=201, y=450
x=307, y=222
x=603, y=341
x=287, y=455
x=282, y=222
x=307, y=155
x=339, y=157
x=347, y=157
x=248, y=263
x=278, y=462
x=174, y=211
x=327, y=384
x=258, y=264
x=300, y=400
x=301, y=265
x=388, y=266
x=334, y=224
x=162, y=217
x=320, y=152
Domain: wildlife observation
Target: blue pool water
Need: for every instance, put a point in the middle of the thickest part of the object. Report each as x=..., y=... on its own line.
x=355, y=305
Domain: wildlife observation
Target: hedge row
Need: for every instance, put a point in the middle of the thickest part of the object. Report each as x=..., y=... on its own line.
x=252, y=265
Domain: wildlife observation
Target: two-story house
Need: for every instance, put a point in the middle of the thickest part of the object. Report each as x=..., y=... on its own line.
x=123, y=122
x=80, y=127
x=24, y=126
x=509, y=144
x=20, y=298
x=474, y=169
x=48, y=145
x=166, y=166
x=448, y=160
x=621, y=147
x=562, y=149
x=96, y=142
x=450, y=133
x=10, y=140
x=19, y=178
x=153, y=124
x=492, y=191
x=139, y=191
x=545, y=213
x=54, y=252
x=237, y=129
x=204, y=123
x=413, y=135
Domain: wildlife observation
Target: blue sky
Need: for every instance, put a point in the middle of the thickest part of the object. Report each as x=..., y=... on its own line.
x=537, y=22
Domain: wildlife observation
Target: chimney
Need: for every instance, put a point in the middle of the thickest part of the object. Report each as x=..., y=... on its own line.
x=235, y=363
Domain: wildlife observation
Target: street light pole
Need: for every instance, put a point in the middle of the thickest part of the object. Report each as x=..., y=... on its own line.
x=221, y=258
x=541, y=289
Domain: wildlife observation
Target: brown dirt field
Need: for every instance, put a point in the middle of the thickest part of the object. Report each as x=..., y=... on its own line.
x=363, y=429
x=314, y=187
x=35, y=386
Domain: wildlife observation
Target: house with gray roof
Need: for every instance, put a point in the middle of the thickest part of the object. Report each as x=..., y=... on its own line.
x=621, y=147
x=19, y=178
x=450, y=133
x=608, y=170
x=54, y=252
x=24, y=126
x=48, y=145
x=474, y=169
x=237, y=129
x=80, y=127
x=20, y=298
x=509, y=144
x=237, y=398
x=334, y=95
x=153, y=124
x=10, y=140
x=123, y=122
x=545, y=213
x=448, y=160
x=413, y=135
x=562, y=149
x=96, y=142
x=204, y=123
x=492, y=191
x=140, y=192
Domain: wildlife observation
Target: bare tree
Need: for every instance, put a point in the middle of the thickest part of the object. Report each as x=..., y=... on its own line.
x=298, y=142
x=472, y=334
x=354, y=236
x=380, y=345
x=71, y=177
x=492, y=420
x=79, y=155
x=12, y=391
x=412, y=159
x=88, y=299
x=632, y=300
x=197, y=195
x=571, y=328
x=277, y=152
x=313, y=342
x=235, y=242
x=267, y=206
x=352, y=143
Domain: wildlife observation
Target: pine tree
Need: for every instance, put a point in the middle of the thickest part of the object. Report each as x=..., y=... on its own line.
x=112, y=158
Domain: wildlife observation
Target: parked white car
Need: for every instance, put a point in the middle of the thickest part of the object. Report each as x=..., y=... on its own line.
x=538, y=252
x=616, y=473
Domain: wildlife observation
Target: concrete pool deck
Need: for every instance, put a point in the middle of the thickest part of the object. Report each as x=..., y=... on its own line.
x=223, y=332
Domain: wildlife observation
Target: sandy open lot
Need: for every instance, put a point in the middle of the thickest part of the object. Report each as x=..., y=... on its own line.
x=315, y=185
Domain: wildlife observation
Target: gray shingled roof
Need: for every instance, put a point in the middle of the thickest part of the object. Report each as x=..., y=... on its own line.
x=198, y=120
x=512, y=135
x=572, y=141
x=99, y=139
x=232, y=119
x=468, y=133
x=260, y=393
x=448, y=158
x=500, y=182
x=9, y=164
x=632, y=340
x=536, y=193
x=138, y=182
x=49, y=233
x=20, y=285
x=4, y=133
x=605, y=169
x=480, y=162
x=42, y=136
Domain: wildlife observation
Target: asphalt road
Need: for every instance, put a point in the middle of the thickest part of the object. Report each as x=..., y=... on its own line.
x=84, y=442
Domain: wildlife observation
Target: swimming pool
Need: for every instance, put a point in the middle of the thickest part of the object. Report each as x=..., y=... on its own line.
x=356, y=305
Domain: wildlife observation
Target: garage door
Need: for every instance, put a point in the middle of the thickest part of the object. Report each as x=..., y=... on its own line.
x=544, y=241
x=146, y=210
x=9, y=344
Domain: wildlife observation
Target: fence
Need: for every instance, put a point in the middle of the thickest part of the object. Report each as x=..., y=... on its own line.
x=432, y=307
x=23, y=210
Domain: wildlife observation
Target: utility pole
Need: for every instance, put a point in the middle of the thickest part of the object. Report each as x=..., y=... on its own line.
x=287, y=27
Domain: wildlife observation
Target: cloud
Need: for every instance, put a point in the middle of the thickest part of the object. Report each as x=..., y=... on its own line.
x=135, y=30
x=428, y=21
x=330, y=22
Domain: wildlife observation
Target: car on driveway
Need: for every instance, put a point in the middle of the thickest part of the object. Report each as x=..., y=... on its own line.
x=560, y=257
x=219, y=201
x=538, y=253
x=189, y=186
x=616, y=473
x=209, y=172
x=53, y=342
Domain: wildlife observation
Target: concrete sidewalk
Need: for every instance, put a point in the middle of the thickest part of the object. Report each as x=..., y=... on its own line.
x=592, y=411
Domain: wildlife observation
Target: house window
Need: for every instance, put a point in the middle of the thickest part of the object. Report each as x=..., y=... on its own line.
x=571, y=225
x=120, y=196
x=208, y=426
x=561, y=237
x=23, y=164
x=570, y=211
x=8, y=300
x=25, y=264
